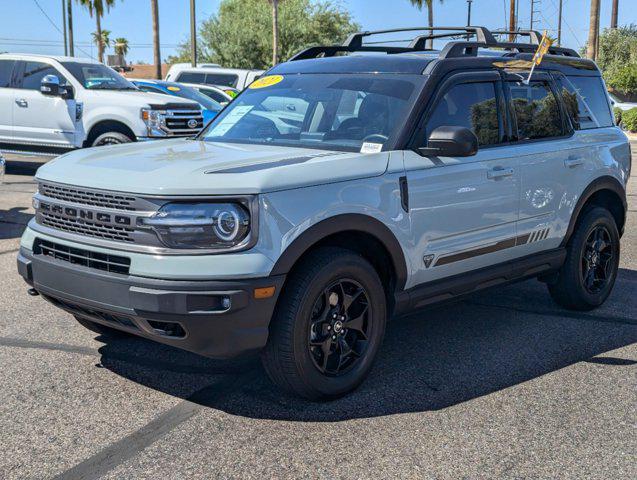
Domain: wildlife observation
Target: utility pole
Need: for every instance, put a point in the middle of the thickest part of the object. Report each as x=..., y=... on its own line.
x=193, y=34
x=593, y=30
x=469, y=12
x=533, y=12
x=70, y=19
x=512, y=21
x=614, y=13
x=66, y=45
x=559, y=25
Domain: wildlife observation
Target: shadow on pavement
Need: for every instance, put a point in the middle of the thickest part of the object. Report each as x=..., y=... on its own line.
x=13, y=222
x=431, y=360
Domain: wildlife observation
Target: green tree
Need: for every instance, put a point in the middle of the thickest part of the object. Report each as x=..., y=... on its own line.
x=97, y=8
x=430, y=13
x=121, y=46
x=240, y=34
x=102, y=40
x=617, y=58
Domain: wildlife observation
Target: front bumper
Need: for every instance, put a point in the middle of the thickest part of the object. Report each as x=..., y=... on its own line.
x=218, y=319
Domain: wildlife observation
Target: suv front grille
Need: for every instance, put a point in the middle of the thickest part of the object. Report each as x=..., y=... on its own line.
x=78, y=256
x=87, y=197
x=86, y=227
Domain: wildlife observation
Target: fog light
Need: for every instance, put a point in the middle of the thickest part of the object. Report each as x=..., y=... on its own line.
x=225, y=303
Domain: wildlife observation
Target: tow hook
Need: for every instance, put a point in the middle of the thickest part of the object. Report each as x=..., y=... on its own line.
x=33, y=292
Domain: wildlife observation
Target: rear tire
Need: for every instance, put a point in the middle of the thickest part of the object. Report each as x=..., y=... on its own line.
x=589, y=272
x=328, y=326
x=99, y=328
x=111, y=138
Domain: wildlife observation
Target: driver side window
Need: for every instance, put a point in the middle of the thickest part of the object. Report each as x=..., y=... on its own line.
x=470, y=105
x=34, y=72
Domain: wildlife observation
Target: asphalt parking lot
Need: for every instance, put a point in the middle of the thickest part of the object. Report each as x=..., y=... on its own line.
x=503, y=384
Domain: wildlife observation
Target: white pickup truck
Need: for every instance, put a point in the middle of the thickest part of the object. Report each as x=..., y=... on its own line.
x=67, y=103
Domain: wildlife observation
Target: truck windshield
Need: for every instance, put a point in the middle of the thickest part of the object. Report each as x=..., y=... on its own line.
x=327, y=111
x=95, y=76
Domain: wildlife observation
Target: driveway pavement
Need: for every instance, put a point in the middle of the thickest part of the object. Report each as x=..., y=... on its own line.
x=502, y=384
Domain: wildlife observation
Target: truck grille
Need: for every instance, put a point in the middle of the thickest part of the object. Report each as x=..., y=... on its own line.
x=79, y=256
x=86, y=227
x=183, y=122
x=87, y=197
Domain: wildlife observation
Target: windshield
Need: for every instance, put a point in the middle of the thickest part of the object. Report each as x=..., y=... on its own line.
x=95, y=76
x=192, y=94
x=327, y=111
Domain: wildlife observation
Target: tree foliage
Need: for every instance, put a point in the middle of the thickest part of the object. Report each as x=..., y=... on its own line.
x=617, y=59
x=240, y=34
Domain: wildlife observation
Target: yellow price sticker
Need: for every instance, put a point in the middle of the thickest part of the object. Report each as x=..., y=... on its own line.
x=268, y=81
x=174, y=89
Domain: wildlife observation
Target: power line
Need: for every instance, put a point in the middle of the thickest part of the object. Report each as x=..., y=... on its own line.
x=56, y=27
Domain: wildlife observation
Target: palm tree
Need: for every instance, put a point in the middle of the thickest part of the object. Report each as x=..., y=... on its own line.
x=102, y=39
x=97, y=8
x=275, y=31
x=154, y=8
x=120, y=45
x=430, y=14
x=593, y=30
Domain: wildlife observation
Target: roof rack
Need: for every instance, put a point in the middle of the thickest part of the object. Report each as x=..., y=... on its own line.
x=535, y=37
x=483, y=39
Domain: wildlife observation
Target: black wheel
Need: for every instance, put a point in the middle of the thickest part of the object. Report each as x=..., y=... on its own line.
x=111, y=138
x=589, y=272
x=99, y=328
x=328, y=326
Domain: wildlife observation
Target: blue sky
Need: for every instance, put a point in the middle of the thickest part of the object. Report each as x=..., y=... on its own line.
x=26, y=29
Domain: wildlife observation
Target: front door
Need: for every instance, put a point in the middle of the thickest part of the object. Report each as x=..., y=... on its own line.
x=463, y=211
x=41, y=119
x=6, y=100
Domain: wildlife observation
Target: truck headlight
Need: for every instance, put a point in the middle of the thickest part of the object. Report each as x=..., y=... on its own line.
x=155, y=121
x=200, y=225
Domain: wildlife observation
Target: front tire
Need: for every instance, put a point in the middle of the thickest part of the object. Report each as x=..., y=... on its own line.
x=328, y=326
x=589, y=272
x=111, y=138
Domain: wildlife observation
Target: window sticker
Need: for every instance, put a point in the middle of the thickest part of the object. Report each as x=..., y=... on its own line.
x=369, y=147
x=230, y=120
x=174, y=89
x=268, y=81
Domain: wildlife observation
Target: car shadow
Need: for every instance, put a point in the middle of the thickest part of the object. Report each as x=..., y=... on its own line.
x=430, y=360
x=13, y=222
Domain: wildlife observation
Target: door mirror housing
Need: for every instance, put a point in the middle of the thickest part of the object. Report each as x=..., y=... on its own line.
x=50, y=85
x=451, y=141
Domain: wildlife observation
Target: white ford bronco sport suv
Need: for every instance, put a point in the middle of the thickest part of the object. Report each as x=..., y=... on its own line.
x=62, y=103
x=335, y=193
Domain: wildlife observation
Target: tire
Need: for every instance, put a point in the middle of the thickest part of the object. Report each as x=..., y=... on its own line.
x=304, y=330
x=111, y=138
x=99, y=328
x=573, y=288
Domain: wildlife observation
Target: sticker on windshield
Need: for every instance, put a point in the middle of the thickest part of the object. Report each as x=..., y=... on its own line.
x=230, y=120
x=266, y=81
x=369, y=147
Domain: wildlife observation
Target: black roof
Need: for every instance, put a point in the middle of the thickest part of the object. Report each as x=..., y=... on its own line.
x=484, y=51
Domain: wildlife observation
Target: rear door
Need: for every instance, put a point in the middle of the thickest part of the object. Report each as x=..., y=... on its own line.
x=38, y=118
x=463, y=211
x=6, y=99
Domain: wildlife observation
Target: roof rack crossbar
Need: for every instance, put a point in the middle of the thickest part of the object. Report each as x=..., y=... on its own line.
x=535, y=37
x=482, y=34
x=332, y=50
x=464, y=49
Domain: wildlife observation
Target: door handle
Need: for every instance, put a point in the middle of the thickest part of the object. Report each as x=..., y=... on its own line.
x=571, y=162
x=499, y=173
x=22, y=102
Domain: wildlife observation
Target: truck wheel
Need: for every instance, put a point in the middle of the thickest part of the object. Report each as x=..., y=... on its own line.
x=99, y=328
x=589, y=272
x=111, y=138
x=328, y=326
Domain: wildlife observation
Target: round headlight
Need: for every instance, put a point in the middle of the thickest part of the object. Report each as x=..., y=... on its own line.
x=227, y=225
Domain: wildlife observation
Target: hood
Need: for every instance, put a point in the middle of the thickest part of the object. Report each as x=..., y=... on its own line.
x=190, y=167
x=137, y=98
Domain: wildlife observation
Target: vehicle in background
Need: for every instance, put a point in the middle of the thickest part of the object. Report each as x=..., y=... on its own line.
x=178, y=67
x=616, y=102
x=209, y=107
x=63, y=103
x=223, y=77
x=223, y=95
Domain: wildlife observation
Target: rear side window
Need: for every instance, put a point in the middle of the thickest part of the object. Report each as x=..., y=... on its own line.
x=470, y=105
x=586, y=103
x=536, y=110
x=223, y=79
x=6, y=70
x=191, y=77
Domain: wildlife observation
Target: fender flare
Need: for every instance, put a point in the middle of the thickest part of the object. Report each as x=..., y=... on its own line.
x=352, y=222
x=600, y=183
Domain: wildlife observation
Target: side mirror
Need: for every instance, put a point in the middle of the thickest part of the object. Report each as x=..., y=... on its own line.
x=451, y=141
x=50, y=85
